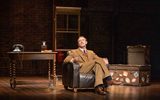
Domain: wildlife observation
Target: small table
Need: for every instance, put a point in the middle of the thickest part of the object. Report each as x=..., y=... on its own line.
x=20, y=56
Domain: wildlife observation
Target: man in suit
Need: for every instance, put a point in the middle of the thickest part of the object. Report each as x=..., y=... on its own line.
x=91, y=63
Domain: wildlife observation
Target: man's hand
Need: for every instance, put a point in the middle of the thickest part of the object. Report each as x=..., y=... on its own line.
x=106, y=60
x=75, y=59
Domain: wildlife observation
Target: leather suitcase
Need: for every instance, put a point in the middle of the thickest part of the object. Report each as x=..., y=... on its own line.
x=136, y=75
x=138, y=54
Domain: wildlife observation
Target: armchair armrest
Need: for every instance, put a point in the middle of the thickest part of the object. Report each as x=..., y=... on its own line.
x=70, y=74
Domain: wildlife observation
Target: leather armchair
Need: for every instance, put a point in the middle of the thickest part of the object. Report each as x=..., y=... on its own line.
x=72, y=78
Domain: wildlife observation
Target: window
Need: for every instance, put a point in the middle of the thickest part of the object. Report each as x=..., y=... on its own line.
x=67, y=27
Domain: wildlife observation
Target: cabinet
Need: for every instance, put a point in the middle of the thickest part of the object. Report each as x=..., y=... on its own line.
x=67, y=27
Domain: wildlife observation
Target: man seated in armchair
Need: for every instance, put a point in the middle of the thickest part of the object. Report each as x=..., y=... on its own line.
x=91, y=63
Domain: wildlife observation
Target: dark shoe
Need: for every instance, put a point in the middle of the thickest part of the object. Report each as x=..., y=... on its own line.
x=99, y=90
x=112, y=82
x=105, y=89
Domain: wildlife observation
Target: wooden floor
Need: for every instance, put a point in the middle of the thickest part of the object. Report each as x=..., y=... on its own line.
x=36, y=88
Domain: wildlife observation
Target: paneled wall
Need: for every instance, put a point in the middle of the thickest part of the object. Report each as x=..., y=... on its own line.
x=111, y=25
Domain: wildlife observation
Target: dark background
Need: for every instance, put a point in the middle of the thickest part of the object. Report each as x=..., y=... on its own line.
x=109, y=25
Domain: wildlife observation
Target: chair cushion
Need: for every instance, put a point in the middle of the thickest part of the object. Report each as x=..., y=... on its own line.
x=86, y=80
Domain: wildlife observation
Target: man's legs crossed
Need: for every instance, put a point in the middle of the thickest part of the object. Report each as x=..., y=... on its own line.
x=99, y=75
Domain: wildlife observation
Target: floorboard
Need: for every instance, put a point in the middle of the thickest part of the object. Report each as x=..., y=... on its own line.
x=36, y=88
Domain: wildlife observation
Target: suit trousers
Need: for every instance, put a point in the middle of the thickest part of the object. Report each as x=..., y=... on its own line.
x=96, y=67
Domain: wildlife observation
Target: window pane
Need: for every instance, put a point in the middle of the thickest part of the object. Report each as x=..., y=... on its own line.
x=61, y=22
x=73, y=23
x=67, y=40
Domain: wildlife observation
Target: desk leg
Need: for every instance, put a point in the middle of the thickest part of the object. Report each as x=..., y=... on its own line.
x=54, y=71
x=12, y=75
x=49, y=75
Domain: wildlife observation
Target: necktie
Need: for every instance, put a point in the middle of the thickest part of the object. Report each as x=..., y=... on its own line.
x=84, y=51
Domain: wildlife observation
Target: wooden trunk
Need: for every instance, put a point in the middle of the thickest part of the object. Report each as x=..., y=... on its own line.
x=137, y=75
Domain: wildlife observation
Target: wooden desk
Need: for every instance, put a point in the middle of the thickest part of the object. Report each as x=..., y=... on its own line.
x=20, y=56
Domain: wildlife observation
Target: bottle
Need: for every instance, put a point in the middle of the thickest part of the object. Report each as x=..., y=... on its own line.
x=43, y=46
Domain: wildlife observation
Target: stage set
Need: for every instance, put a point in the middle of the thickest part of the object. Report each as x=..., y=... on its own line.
x=135, y=77
x=36, y=35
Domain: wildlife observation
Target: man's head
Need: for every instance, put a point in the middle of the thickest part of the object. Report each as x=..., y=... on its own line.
x=82, y=42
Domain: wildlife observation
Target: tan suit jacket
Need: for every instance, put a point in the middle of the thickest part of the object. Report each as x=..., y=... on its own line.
x=83, y=58
x=88, y=62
